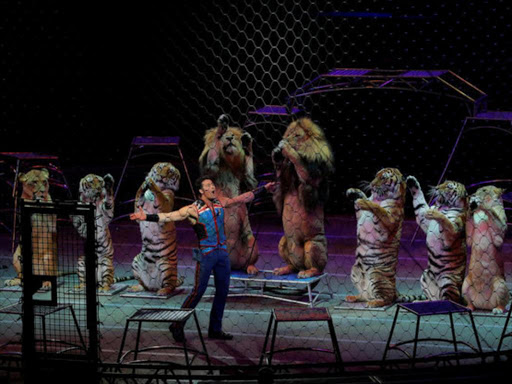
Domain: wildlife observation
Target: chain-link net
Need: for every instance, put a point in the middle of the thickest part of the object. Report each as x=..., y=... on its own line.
x=350, y=225
x=60, y=312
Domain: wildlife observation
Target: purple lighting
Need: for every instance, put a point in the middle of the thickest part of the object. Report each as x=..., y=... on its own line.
x=274, y=110
x=347, y=72
x=423, y=73
x=495, y=115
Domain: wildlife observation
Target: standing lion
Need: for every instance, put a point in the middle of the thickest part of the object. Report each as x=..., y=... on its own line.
x=303, y=160
x=227, y=158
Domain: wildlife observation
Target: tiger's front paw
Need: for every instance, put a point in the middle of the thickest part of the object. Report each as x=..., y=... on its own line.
x=474, y=203
x=136, y=288
x=166, y=291
x=105, y=288
x=412, y=182
x=148, y=184
x=13, y=282
x=353, y=194
x=80, y=287
x=432, y=214
x=500, y=309
x=377, y=303
x=109, y=182
x=352, y=298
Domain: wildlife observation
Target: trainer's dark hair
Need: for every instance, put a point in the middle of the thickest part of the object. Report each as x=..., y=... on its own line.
x=199, y=182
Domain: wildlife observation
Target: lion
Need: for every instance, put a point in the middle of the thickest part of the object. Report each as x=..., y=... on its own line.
x=303, y=160
x=35, y=186
x=228, y=158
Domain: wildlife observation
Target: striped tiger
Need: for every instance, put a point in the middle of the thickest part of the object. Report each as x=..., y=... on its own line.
x=484, y=287
x=35, y=187
x=444, y=226
x=100, y=192
x=379, y=228
x=156, y=266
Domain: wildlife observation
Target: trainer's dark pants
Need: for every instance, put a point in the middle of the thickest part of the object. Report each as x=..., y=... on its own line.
x=218, y=262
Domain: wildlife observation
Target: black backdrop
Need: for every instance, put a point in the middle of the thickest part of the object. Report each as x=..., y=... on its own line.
x=79, y=79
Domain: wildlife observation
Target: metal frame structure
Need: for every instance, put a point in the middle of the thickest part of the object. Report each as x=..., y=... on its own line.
x=140, y=142
x=24, y=157
x=439, y=82
x=431, y=308
x=260, y=286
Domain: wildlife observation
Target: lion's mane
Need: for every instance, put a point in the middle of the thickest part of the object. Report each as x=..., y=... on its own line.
x=316, y=155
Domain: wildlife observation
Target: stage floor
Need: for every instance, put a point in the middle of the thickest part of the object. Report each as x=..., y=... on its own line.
x=362, y=333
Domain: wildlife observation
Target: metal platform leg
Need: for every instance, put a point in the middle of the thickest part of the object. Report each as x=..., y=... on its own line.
x=391, y=333
x=272, y=343
x=335, y=345
x=504, y=332
x=202, y=340
x=264, y=351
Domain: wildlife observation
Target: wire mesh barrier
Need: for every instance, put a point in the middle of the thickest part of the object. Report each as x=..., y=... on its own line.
x=45, y=316
x=369, y=199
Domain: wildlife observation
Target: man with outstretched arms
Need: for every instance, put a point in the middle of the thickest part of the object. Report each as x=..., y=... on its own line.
x=207, y=218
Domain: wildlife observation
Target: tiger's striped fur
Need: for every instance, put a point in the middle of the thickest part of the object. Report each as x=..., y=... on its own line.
x=35, y=186
x=100, y=192
x=379, y=228
x=444, y=225
x=484, y=287
x=156, y=266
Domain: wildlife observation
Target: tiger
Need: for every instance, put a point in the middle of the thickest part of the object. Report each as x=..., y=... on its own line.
x=444, y=226
x=156, y=266
x=484, y=286
x=35, y=186
x=379, y=229
x=100, y=192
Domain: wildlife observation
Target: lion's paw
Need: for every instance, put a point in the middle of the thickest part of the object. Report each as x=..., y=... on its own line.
x=246, y=139
x=308, y=273
x=283, y=270
x=252, y=270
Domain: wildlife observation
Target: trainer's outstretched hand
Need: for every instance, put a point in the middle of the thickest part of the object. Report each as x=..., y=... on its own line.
x=140, y=215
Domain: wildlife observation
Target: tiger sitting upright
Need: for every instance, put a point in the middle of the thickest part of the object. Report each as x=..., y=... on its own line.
x=484, y=287
x=379, y=228
x=100, y=192
x=35, y=186
x=444, y=225
x=156, y=266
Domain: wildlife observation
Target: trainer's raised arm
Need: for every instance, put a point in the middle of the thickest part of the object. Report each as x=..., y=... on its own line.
x=187, y=212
